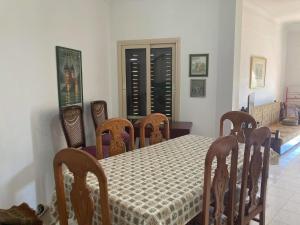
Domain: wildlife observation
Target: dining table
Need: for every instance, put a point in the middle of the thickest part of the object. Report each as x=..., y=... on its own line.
x=161, y=184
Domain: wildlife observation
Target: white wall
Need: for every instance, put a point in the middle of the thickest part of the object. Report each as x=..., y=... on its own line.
x=30, y=132
x=293, y=54
x=261, y=36
x=204, y=26
x=237, y=54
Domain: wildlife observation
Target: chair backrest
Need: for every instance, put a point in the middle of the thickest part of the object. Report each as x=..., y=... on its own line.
x=243, y=124
x=99, y=112
x=80, y=163
x=73, y=126
x=116, y=128
x=221, y=180
x=154, y=121
x=255, y=172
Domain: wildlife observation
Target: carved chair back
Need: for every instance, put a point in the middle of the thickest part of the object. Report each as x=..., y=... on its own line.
x=80, y=163
x=116, y=128
x=255, y=174
x=155, y=121
x=222, y=180
x=99, y=112
x=73, y=126
x=243, y=124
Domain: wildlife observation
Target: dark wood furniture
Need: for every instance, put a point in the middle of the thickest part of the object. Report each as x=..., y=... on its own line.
x=99, y=115
x=116, y=128
x=73, y=126
x=215, y=188
x=216, y=208
x=159, y=128
x=243, y=124
x=19, y=215
x=99, y=112
x=80, y=163
x=177, y=129
x=255, y=166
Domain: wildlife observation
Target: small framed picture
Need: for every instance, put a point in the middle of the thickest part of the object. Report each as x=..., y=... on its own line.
x=258, y=70
x=199, y=65
x=198, y=88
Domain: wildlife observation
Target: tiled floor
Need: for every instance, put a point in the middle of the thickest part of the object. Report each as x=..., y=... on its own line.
x=283, y=195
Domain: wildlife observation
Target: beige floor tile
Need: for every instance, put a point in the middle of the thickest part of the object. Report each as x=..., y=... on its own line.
x=296, y=199
x=278, y=193
x=277, y=222
x=287, y=217
x=293, y=207
x=283, y=194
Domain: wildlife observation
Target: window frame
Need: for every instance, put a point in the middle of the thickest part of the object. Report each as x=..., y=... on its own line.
x=147, y=44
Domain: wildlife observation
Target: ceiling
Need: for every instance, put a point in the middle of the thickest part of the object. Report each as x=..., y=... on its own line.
x=281, y=10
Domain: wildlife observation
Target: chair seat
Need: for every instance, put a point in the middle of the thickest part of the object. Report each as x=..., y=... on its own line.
x=106, y=138
x=19, y=215
x=92, y=150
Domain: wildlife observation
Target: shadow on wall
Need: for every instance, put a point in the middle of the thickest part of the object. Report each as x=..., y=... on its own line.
x=19, y=182
x=47, y=139
x=35, y=183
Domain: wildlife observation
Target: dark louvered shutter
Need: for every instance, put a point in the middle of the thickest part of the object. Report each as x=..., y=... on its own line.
x=161, y=81
x=136, y=82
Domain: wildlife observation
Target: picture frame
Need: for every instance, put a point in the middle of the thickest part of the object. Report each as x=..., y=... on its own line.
x=198, y=88
x=199, y=64
x=69, y=76
x=258, y=69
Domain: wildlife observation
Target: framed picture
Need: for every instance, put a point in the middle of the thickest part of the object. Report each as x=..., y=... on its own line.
x=199, y=65
x=257, y=72
x=198, y=88
x=69, y=76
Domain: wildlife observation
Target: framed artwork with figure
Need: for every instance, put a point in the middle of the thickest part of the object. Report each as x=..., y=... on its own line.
x=198, y=88
x=199, y=65
x=69, y=76
x=258, y=70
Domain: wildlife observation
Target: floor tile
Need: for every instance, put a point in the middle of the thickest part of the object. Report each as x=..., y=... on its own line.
x=277, y=222
x=283, y=193
x=287, y=217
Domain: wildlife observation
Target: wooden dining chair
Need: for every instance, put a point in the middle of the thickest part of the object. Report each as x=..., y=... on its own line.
x=255, y=177
x=99, y=115
x=243, y=124
x=71, y=118
x=154, y=122
x=79, y=163
x=99, y=112
x=115, y=127
x=216, y=184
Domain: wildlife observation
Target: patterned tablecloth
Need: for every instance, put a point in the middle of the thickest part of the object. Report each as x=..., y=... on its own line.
x=156, y=185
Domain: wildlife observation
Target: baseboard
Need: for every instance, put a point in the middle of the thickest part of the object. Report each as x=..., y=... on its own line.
x=289, y=145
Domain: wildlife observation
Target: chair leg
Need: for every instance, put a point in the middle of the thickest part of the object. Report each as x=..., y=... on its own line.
x=262, y=218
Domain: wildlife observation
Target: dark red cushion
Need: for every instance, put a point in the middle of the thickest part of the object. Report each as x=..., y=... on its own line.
x=107, y=137
x=126, y=137
x=92, y=150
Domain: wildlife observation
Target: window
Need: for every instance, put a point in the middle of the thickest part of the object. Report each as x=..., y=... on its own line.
x=149, y=78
